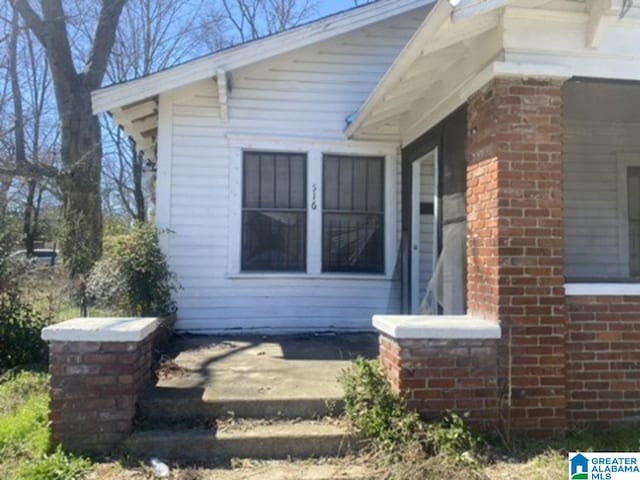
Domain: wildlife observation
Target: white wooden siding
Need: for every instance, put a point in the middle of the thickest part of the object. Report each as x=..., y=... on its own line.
x=307, y=94
x=591, y=189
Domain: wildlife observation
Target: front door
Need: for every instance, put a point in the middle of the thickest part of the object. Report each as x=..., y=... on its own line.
x=424, y=234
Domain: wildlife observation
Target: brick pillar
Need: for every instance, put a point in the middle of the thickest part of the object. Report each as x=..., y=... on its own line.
x=515, y=244
x=98, y=369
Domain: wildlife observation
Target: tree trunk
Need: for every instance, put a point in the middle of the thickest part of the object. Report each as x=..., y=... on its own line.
x=138, y=192
x=28, y=227
x=80, y=181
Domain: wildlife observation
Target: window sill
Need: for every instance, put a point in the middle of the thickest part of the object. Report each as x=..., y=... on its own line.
x=308, y=276
x=602, y=288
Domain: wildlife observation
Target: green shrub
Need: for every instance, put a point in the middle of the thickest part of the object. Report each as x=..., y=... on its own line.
x=134, y=275
x=56, y=466
x=374, y=409
x=379, y=414
x=20, y=327
x=8, y=243
x=453, y=438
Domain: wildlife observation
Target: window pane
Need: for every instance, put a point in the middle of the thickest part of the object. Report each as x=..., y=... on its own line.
x=375, y=185
x=345, y=184
x=274, y=241
x=633, y=179
x=330, y=182
x=251, y=181
x=353, y=243
x=633, y=183
x=267, y=181
x=274, y=216
x=360, y=174
x=283, y=182
x=353, y=215
x=298, y=182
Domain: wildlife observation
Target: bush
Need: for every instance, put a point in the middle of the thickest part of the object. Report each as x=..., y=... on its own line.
x=134, y=275
x=374, y=409
x=380, y=415
x=8, y=242
x=20, y=327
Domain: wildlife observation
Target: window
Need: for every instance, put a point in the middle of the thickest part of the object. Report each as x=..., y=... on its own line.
x=633, y=194
x=353, y=214
x=274, y=215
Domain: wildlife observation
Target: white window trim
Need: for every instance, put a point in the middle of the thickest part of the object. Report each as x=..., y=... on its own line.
x=601, y=288
x=314, y=149
x=625, y=159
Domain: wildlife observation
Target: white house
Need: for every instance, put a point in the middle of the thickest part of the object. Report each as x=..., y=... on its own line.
x=317, y=177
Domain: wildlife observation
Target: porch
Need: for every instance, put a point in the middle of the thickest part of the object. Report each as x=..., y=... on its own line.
x=219, y=398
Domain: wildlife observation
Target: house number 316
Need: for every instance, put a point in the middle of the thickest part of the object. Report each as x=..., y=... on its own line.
x=314, y=193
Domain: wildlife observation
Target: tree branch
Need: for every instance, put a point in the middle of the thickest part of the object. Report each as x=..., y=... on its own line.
x=30, y=16
x=103, y=42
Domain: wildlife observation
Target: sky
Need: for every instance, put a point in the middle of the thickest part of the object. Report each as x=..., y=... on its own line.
x=328, y=7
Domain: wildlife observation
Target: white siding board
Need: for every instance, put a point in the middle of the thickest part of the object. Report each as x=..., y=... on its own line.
x=592, y=240
x=304, y=94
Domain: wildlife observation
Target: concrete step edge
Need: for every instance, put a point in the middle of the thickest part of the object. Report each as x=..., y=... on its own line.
x=173, y=405
x=275, y=441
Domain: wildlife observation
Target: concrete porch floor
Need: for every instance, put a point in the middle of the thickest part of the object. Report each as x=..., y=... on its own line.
x=263, y=368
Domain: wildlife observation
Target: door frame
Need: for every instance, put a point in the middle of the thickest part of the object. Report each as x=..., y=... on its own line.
x=416, y=222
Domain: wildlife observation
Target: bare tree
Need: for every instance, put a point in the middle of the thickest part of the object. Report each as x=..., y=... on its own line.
x=80, y=135
x=237, y=21
x=152, y=35
x=29, y=126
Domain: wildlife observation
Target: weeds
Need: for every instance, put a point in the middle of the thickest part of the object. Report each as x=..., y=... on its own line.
x=409, y=448
x=25, y=445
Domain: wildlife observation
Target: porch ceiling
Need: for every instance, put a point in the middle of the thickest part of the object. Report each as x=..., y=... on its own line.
x=458, y=49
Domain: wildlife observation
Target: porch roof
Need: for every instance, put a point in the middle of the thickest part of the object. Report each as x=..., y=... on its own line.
x=463, y=44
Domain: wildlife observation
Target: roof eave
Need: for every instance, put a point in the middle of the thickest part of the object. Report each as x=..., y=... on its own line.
x=441, y=11
x=108, y=98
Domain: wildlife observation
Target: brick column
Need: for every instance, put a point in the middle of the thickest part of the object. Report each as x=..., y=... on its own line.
x=98, y=368
x=440, y=363
x=515, y=243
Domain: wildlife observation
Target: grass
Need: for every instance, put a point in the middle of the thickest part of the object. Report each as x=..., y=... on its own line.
x=25, y=445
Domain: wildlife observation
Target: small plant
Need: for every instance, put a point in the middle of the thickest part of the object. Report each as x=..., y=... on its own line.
x=379, y=414
x=134, y=275
x=56, y=466
x=374, y=409
x=20, y=327
x=453, y=438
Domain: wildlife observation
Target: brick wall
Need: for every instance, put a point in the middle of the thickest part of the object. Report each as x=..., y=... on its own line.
x=603, y=359
x=515, y=242
x=438, y=375
x=95, y=384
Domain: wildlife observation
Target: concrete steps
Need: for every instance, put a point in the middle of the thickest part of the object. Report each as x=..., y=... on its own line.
x=269, y=440
x=160, y=405
x=249, y=398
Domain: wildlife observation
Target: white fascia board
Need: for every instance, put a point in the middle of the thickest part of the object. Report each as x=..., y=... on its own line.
x=240, y=56
x=440, y=13
x=476, y=8
x=437, y=327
